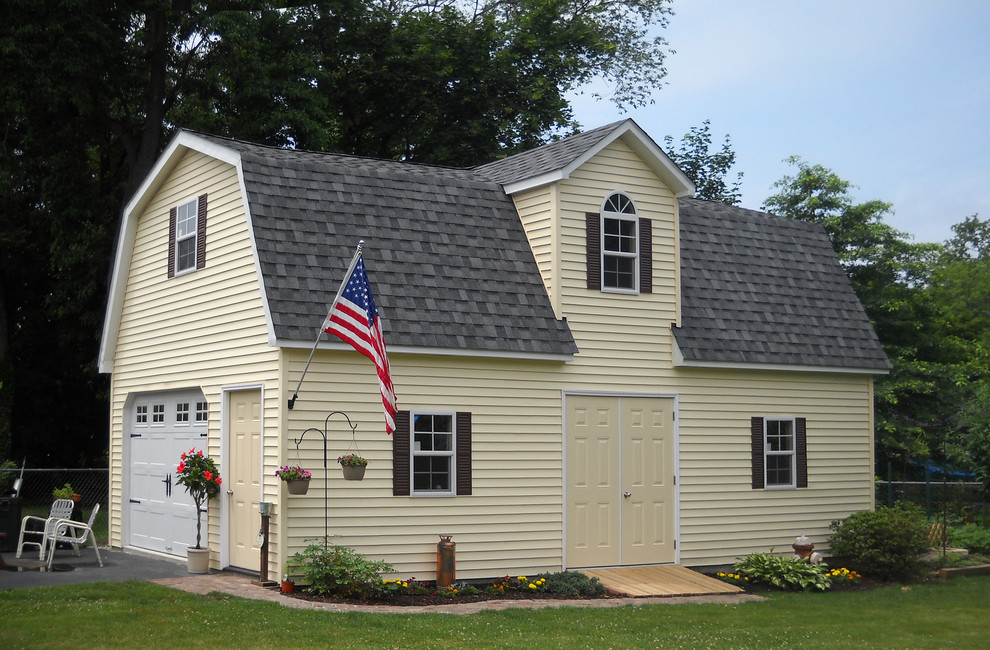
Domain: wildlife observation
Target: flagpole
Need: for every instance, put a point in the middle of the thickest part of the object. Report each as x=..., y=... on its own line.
x=319, y=334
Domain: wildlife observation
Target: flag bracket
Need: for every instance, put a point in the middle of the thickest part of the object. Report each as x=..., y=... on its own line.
x=319, y=334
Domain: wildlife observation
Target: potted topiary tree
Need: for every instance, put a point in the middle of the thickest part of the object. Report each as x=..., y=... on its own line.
x=201, y=478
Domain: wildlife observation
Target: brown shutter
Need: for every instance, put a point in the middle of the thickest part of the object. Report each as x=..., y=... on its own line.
x=645, y=255
x=400, y=455
x=756, y=433
x=801, y=447
x=463, y=453
x=172, y=214
x=201, y=232
x=593, y=238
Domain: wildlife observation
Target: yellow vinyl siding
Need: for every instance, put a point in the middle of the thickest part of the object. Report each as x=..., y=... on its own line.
x=722, y=517
x=536, y=209
x=512, y=521
x=203, y=329
x=625, y=345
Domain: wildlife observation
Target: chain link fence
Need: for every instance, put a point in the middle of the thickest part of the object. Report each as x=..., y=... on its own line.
x=35, y=497
x=965, y=499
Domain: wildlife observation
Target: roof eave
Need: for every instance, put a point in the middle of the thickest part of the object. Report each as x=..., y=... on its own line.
x=434, y=351
x=742, y=365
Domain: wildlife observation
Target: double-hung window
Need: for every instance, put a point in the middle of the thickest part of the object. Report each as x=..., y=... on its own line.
x=619, y=247
x=619, y=244
x=431, y=453
x=187, y=236
x=780, y=452
x=433, y=467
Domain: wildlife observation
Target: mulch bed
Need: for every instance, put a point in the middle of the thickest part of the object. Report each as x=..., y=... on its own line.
x=419, y=600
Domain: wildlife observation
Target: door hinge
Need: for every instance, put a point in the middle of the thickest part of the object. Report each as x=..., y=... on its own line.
x=203, y=435
x=134, y=500
x=675, y=480
x=135, y=435
x=675, y=544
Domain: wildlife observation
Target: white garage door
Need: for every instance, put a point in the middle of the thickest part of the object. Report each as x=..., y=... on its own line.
x=160, y=514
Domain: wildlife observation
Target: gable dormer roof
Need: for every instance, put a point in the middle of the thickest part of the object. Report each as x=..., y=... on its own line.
x=557, y=160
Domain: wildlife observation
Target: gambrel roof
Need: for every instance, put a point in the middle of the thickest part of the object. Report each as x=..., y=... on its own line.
x=448, y=259
x=453, y=272
x=765, y=290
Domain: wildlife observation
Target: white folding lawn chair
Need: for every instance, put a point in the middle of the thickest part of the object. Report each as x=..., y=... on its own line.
x=61, y=509
x=60, y=532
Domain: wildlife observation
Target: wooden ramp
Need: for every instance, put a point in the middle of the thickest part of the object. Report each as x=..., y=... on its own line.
x=666, y=580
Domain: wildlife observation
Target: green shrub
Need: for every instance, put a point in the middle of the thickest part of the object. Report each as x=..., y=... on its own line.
x=886, y=543
x=975, y=539
x=571, y=584
x=341, y=571
x=783, y=572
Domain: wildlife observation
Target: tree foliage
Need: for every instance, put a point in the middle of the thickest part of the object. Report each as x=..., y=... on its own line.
x=707, y=169
x=91, y=91
x=930, y=305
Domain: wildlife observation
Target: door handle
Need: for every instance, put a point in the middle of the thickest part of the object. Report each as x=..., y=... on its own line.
x=626, y=495
x=230, y=493
x=168, y=484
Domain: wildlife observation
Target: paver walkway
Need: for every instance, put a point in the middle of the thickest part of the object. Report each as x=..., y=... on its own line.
x=239, y=585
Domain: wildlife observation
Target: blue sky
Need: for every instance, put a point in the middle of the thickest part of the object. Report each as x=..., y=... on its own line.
x=892, y=95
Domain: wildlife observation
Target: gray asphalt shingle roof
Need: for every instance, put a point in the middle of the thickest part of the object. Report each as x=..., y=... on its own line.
x=451, y=267
x=762, y=289
x=549, y=157
x=447, y=257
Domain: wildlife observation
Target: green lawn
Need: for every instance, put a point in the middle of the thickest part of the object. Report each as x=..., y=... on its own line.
x=949, y=614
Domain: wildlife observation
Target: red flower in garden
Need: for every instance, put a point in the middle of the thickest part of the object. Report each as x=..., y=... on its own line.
x=182, y=466
x=208, y=475
x=219, y=480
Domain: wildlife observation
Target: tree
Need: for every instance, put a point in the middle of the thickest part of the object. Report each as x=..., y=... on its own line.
x=91, y=92
x=914, y=403
x=707, y=169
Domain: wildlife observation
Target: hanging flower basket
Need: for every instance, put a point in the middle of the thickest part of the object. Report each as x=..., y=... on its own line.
x=353, y=467
x=296, y=478
x=298, y=486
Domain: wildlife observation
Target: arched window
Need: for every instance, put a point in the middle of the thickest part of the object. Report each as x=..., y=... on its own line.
x=619, y=247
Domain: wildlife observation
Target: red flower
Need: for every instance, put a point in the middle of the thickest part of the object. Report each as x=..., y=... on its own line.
x=183, y=455
x=219, y=480
x=199, y=453
x=182, y=466
x=208, y=475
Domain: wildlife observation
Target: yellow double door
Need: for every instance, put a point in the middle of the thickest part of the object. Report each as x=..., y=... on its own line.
x=620, y=484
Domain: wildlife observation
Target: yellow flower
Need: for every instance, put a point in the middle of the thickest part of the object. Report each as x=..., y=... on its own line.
x=405, y=584
x=532, y=586
x=522, y=578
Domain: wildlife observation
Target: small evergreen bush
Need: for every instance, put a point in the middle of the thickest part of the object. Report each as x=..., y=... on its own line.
x=572, y=584
x=341, y=571
x=886, y=543
x=783, y=572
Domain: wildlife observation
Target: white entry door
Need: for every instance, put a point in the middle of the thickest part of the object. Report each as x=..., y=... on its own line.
x=160, y=514
x=244, y=480
x=620, y=481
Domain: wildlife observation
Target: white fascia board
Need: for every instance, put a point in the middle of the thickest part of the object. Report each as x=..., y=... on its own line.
x=736, y=365
x=183, y=141
x=441, y=352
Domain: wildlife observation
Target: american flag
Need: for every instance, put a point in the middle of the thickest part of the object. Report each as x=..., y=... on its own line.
x=354, y=319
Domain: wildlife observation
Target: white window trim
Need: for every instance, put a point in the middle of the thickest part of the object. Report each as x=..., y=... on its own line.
x=194, y=202
x=414, y=453
x=767, y=453
x=620, y=216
